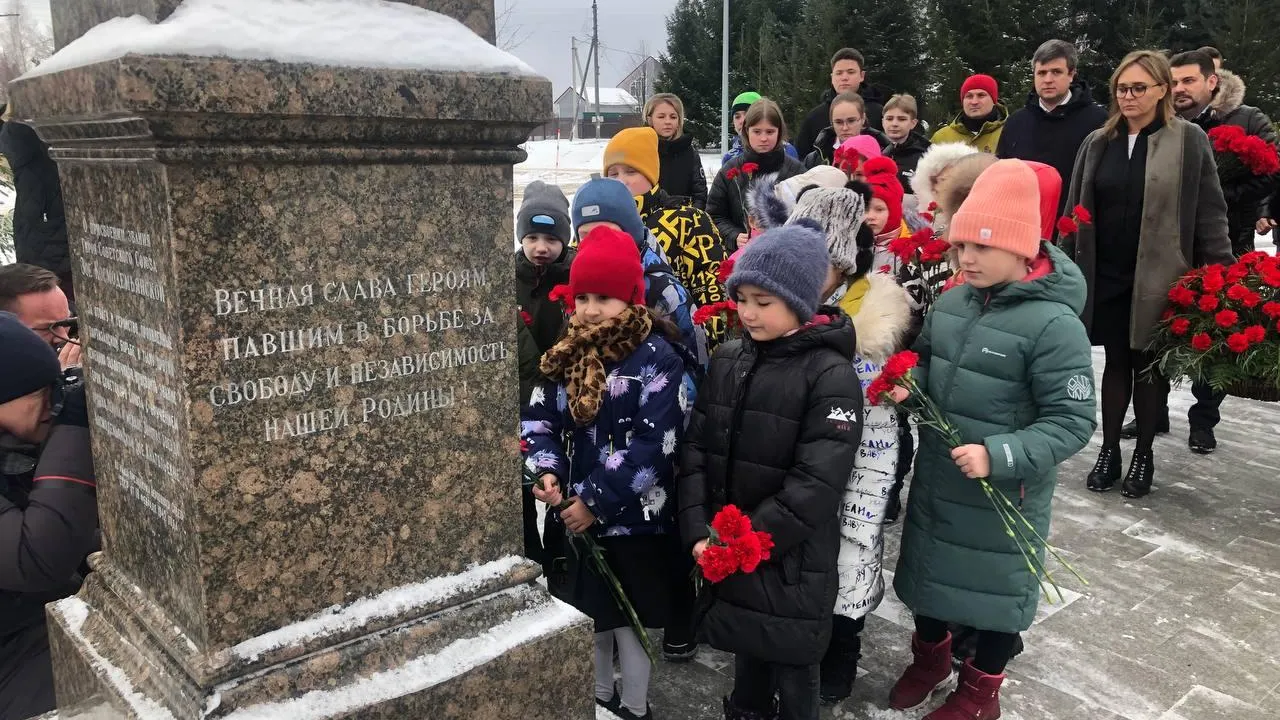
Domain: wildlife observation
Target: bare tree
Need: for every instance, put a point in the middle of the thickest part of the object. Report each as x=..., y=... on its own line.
x=22, y=46
x=511, y=34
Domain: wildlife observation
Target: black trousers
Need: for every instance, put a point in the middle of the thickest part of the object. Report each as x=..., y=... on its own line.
x=994, y=648
x=26, y=674
x=679, y=630
x=755, y=682
x=1205, y=414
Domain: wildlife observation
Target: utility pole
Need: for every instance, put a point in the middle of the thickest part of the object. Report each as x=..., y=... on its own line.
x=724, y=84
x=595, y=44
x=577, y=94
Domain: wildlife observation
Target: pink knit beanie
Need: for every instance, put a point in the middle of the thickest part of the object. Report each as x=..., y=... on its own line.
x=1002, y=210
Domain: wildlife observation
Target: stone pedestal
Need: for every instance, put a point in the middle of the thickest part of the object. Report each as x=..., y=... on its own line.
x=296, y=285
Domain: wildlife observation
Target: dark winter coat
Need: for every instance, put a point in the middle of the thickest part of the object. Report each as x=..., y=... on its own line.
x=1011, y=368
x=820, y=116
x=906, y=155
x=824, y=149
x=725, y=202
x=681, y=173
x=48, y=523
x=39, y=224
x=735, y=150
x=546, y=317
x=1248, y=195
x=692, y=245
x=1052, y=138
x=623, y=462
x=1184, y=219
x=775, y=431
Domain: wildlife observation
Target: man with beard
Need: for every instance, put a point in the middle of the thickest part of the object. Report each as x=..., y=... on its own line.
x=982, y=119
x=1202, y=95
x=848, y=71
x=1059, y=114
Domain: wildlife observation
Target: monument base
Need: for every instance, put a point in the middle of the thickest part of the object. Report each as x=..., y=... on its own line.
x=502, y=654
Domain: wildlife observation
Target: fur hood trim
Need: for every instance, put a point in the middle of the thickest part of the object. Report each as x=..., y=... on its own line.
x=769, y=210
x=934, y=161
x=1230, y=93
x=883, y=319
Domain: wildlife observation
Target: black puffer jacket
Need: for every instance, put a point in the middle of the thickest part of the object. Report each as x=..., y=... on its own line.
x=545, y=317
x=727, y=196
x=39, y=225
x=775, y=431
x=906, y=155
x=681, y=173
x=820, y=116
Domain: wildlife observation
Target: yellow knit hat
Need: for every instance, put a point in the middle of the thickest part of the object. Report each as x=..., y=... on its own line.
x=635, y=147
x=1002, y=210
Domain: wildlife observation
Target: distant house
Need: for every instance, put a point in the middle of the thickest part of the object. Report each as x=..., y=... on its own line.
x=642, y=81
x=618, y=109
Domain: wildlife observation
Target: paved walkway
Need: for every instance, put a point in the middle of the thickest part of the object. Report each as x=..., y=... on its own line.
x=1180, y=621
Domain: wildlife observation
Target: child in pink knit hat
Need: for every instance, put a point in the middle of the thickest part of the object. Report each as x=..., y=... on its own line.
x=1007, y=362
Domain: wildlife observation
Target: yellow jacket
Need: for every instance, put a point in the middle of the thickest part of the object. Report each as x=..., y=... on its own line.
x=985, y=140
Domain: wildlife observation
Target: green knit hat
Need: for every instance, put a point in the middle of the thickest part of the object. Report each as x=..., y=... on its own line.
x=744, y=101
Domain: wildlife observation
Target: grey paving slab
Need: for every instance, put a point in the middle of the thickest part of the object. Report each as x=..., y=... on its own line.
x=1180, y=619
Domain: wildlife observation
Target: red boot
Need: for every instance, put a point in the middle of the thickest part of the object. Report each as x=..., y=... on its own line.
x=928, y=672
x=976, y=698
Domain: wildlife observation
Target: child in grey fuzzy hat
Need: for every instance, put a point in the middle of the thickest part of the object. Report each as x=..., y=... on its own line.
x=790, y=263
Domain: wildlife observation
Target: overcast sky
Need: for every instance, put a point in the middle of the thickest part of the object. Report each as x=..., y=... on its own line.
x=627, y=28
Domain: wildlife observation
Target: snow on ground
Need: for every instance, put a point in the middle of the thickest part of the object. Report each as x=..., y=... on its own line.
x=346, y=33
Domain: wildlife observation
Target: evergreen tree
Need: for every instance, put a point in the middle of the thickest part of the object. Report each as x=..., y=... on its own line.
x=690, y=67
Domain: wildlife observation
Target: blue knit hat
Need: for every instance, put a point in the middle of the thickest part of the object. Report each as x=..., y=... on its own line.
x=608, y=200
x=27, y=363
x=791, y=262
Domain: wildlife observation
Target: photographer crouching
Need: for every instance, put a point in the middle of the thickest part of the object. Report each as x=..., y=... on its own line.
x=48, y=509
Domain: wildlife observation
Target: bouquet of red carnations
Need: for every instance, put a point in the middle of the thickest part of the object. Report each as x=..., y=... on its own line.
x=733, y=546
x=1239, y=153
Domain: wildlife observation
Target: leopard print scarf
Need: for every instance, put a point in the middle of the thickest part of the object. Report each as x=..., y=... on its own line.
x=579, y=358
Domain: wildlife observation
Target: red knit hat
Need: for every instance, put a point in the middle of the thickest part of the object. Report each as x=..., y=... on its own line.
x=981, y=82
x=608, y=263
x=1050, y=183
x=881, y=173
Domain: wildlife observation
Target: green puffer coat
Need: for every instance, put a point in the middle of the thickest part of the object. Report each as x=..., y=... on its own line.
x=1010, y=367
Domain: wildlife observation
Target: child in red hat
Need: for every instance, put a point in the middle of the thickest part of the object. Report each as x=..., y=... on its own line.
x=617, y=387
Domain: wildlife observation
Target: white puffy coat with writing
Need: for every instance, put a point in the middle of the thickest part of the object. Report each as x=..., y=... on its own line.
x=881, y=313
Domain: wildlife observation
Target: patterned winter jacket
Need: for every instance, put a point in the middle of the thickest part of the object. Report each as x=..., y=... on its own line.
x=881, y=319
x=667, y=296
x=692, y=245
x=623, y=463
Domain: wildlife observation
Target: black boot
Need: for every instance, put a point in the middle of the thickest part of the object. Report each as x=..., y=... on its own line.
x=1106, y=472
x=733, y=712
x=1130, y=429
x=840, y=664
x=1142, y=471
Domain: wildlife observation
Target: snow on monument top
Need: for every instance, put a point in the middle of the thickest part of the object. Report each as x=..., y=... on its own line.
x=342, y=33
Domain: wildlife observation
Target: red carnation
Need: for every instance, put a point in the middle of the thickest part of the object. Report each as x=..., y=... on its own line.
x=1182, y=296
x=562, y=294
x=1238, y=342
x=1201, y=342
x=750, y=168
x=1255, y=333
x=1250, y=259
x=1166, y=315
x=877, y=390
x=1237, y=292
x=1226, y=318
x=526, y=317
x=1271, y=309
x=933, y=207
x=1180, y=326
x=1066, y=226
x=731, y=173
x=1208, y=303
x=747, y=548
x=1251, y=300
x=1236, y=273
x=885, y=269
x=718, y=562
x=524, y=446
x=899, y=365
x=934, y=251
x=726, y=269
x=1082, y=214
x=1213, y=282
x=1271, y=277
x=730, y=524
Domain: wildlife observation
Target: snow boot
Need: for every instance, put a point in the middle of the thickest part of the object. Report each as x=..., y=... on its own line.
x=930, y=670
x=733, y=712
x=840, y=664
x=1142, y=470
x=977, y=697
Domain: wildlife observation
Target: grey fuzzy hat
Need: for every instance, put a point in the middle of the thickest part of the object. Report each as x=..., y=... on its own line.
x=841, y=213
x=790, y=262
x=544, y=209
